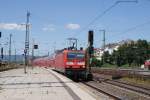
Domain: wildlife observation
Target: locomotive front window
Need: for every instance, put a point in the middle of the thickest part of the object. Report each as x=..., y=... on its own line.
x=71, y=56
x=75, y=55
x=80, y=56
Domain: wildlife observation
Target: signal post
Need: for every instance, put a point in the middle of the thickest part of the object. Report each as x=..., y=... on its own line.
x=89, y=55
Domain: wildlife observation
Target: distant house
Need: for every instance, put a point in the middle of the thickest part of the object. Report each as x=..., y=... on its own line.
x=111, y=47
x=98, y=52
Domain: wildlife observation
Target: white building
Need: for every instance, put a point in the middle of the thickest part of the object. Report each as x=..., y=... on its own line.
x=98, y=52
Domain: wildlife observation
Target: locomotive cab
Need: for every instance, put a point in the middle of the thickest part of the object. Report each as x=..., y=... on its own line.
x=75, y=64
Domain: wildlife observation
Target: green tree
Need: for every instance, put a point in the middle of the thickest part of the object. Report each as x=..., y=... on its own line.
x=142, y=49
x=96, y=62
x=106, y=57
x=132, y=53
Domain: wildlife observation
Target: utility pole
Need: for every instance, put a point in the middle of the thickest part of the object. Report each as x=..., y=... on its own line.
x=10, y=36
x=15, y=57
x=2, y=54
x=104, y=43
x=1, y=47
x=5, y=49
x=48, y=53
x=54, y=47
x=32, y=52
x=26, y=51
x=33, y=49
x=104, y=39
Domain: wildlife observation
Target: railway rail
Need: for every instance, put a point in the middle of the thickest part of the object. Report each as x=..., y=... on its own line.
x=134, y=88
x=130, y=87
x=125, y=88
x=102, y=91
x=115, y=92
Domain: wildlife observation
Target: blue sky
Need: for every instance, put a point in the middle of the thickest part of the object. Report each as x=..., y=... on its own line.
x=55, y=20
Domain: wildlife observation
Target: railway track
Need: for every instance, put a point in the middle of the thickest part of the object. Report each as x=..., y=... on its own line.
x=145, y=88
x=102, y=91
x=113, y=91
x=131, y=87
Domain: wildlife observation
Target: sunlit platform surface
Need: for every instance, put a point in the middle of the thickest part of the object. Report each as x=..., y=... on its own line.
x=39, y=84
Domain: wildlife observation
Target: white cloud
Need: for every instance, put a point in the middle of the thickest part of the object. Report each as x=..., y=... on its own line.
x=50, y=27
x=72, y=26
x=12, y=26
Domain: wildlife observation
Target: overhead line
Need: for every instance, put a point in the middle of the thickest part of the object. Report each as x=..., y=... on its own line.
x=104, y=12
x=99, y=16
x=133, y=28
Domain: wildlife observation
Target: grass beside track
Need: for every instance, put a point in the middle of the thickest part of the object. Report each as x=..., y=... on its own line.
x=137, y=81
x=113, y=66
x=125, y=76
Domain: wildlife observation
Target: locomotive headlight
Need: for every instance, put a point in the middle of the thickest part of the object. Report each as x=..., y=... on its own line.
x=83, y=66
x=69, y=63
x=81, y=63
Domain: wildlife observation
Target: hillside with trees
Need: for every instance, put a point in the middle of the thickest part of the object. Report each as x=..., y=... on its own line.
x=129, y=54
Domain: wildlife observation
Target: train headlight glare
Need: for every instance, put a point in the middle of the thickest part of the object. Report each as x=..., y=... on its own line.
x=69, y=63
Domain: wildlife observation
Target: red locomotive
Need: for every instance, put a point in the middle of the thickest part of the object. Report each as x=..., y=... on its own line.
x=71, y=63
x=43, y=62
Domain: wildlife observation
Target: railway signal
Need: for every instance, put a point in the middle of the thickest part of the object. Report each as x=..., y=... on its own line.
x=0, y=34
x=2, y=55
x=90, y=43
x=2, y=47
x=90, y=38
x=91, y=50
x=35, y=46
x=89, y=54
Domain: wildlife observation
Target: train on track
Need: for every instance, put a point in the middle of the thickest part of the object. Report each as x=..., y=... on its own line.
x=73, y=63
x=69, y=62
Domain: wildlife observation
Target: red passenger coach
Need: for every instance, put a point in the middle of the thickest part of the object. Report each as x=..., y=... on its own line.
x=44, y=62
x=71, y=63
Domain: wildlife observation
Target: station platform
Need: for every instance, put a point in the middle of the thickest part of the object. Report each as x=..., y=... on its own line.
x=39, y=84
